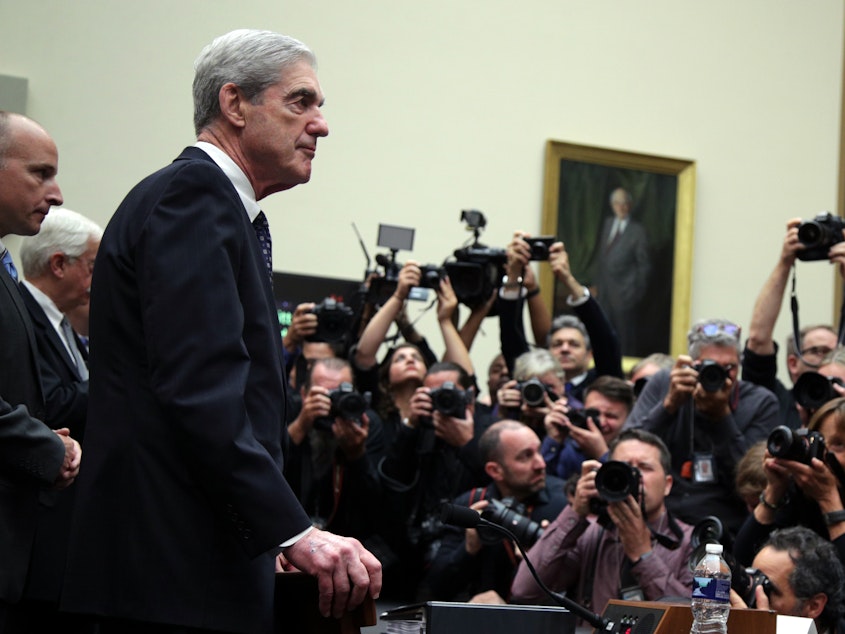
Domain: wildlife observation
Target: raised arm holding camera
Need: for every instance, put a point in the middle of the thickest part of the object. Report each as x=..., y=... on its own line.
x=804, y=476
x=708, y=419
x=637, y=551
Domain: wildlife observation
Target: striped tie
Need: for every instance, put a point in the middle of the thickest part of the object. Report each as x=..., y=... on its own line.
x=9, y=265
x=262, y=231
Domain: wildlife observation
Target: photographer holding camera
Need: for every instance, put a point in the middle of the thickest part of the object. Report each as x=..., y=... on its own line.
x=536, y=385
x=759, y=359
x=336, y=445
x=574, y=435
x=804, y=475
x=708, y=419
x=479, y=564
x=639, y=553
x=805, y=579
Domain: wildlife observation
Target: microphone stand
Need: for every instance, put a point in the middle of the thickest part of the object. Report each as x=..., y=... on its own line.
x=598, y=622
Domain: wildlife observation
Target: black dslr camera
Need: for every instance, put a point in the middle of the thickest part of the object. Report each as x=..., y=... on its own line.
x=540, y=246
x=509, y=514
x=818, y=235
x=450, y=400
x=334, y=320
x=615, y=481
x=800, y=445
x=812, y=390
x=578, y=417
x=711, y=375
x=347, y=404
x=533, y=392
x=430, y=276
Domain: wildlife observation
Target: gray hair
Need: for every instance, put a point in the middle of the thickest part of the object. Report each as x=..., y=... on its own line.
x=252, y=60
x=62, y=231
x=629, y=199
x=536, y=362
x=713, y=332
x=570, y=321
x=5, y=134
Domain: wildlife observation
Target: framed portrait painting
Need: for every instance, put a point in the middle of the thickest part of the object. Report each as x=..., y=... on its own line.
x=626, y=221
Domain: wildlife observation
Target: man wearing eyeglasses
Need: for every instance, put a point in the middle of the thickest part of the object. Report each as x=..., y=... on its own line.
x=709, y=419
x=759, y=359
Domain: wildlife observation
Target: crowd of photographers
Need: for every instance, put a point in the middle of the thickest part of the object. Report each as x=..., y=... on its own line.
x=611, y=483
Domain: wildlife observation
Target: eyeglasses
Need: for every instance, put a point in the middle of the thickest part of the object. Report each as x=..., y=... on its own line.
x=816, y=352
x=711, y=329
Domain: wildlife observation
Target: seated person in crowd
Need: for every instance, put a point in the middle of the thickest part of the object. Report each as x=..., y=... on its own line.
x=497, y=376
x=536, y=385
x=802, y=488
x=479, y=564
x=646, y=367
x=336, y=444
x=432, y=456
x=637, y=552
x=572, y=437
x=805, y=577
x=750, y=477
x=708, y=419
x=576, y=340
x=759, y=359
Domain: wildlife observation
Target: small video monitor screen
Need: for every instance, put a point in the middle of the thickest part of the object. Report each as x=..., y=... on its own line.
x=292, y=289
x=393, y=237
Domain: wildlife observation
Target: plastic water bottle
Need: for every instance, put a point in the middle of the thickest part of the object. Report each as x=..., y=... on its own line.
x=711, y=588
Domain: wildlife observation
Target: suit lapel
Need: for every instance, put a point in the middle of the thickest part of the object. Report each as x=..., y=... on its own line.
x=42, y=324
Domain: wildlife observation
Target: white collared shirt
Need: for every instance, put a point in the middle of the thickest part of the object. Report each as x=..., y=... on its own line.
x=236, y=175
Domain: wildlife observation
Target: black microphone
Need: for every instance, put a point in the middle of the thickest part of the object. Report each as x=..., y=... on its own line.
x=465, y=517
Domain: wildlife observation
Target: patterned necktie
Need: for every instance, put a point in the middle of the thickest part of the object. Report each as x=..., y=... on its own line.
x=9, y=265
x=262, y=231
x=75, y=354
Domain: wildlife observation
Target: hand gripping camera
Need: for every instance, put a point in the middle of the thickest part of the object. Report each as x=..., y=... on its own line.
x=347, y=404
x=334, y=320
x=615, y=481
x=818, y=235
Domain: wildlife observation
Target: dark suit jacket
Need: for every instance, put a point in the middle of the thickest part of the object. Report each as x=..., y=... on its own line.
x=65, y=393
x=623, y=269
x=31, y=454
x=67, y=406
x=182, y=500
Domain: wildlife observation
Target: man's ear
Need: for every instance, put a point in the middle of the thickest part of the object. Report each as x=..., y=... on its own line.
x=232, y=103
x=792, y=363
x=667, y=487
x=494, y=470
x=814, y=606
x=57, y=263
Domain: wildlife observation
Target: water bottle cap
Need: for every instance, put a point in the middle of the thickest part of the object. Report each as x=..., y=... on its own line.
x=715, y=549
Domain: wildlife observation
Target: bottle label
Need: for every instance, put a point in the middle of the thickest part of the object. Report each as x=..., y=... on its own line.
x=711, y=588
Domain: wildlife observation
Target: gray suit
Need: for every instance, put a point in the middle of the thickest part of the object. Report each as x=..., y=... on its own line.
x=621, y=278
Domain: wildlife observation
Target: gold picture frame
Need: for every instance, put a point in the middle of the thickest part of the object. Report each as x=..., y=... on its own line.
x=578, y=184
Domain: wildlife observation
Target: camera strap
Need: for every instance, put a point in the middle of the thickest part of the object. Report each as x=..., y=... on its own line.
x=796, y=330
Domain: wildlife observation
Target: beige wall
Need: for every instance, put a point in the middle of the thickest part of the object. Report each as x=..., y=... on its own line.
x=447, y=104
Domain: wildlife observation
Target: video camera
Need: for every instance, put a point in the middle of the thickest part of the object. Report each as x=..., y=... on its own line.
x=818, y=235
x=509, y=514
x=334, y=321
x=744, y=581
x=615, y=481
x=347, y=404
x=711, y=375
x=534, y=391
x=450, y=400
x=812, y=390
x=477, y=269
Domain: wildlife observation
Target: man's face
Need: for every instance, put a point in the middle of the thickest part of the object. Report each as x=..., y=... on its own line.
x=816, y=345
x=568, y=345
x=612, y=414
x=726, y=356
x=778, y=566
x=522, y=470
x=75, y=274
x=329, y=378
x=279, y=136
x=497, y=376
x=28, y=186
x=656, y=482
x=620, y=204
